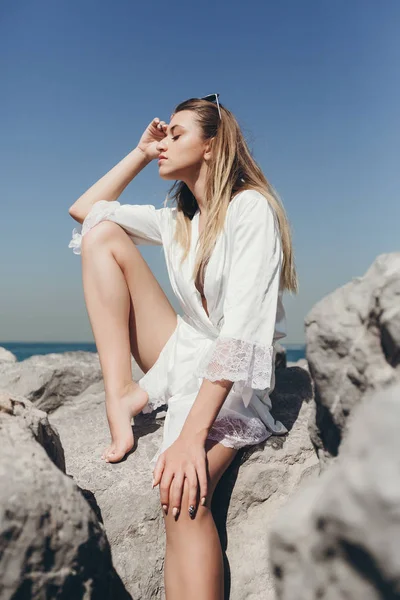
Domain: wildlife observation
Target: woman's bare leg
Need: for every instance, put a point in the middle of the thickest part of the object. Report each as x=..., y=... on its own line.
x=194, y=565
x=117, y=280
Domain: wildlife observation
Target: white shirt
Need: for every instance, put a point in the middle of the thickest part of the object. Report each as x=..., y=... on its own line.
x=243, y=291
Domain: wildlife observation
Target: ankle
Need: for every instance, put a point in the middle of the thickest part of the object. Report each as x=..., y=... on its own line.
x=119, y=391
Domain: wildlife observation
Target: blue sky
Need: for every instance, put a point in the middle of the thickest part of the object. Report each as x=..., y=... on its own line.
x=314, y=86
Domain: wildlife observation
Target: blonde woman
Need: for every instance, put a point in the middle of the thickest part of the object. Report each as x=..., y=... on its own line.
x=228, y=251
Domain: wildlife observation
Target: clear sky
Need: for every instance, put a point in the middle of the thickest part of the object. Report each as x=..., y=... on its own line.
x=314, y=85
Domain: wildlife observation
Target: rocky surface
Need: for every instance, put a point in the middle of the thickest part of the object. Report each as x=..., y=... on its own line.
x=52, y=544
x=353, y=346
x=339, y=536
x=51, y=380
x=7, y=356
x=257, y=483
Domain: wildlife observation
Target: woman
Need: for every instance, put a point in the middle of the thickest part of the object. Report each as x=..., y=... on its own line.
x=213, y=367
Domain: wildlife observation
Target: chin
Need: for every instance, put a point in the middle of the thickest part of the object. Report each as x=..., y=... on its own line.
x=166, y=176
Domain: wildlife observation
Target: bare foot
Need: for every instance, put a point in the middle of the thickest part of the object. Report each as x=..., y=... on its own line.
x=120, y=411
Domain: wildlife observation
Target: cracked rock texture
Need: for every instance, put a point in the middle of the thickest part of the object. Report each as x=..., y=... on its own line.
x=339, y=536
x=52, y=544
x=352, y=346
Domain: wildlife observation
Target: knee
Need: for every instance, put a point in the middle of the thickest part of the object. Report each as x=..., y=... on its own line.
x=200, y=513
x=101, y=233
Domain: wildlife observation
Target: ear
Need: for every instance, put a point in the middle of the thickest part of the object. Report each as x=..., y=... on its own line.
x=208, y=149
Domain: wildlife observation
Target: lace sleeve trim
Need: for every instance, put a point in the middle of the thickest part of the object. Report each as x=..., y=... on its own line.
x=100, y=211
x=247, y=364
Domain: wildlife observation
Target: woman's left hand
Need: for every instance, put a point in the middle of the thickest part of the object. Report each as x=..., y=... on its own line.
x=186, y=457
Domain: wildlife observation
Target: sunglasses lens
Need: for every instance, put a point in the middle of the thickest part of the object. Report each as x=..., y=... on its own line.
x=213, y=98
x=210, y=97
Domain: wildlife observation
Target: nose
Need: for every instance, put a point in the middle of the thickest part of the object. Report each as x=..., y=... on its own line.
x=162, y=145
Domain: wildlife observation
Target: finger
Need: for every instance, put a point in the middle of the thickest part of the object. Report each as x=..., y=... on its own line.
x=158, y=124
x=193, y=487
x=175, y=496
x=165, y=485
x=201, y=470
x=158, y=469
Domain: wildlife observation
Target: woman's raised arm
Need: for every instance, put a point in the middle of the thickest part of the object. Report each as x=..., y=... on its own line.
x=112, y=184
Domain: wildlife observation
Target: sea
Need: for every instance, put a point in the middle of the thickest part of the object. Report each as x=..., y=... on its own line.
x=23, y=350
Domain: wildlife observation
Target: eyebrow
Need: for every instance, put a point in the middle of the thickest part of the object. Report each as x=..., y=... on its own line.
x=173, y=127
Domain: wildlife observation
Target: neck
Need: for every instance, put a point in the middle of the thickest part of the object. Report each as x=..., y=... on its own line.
x=196, y=183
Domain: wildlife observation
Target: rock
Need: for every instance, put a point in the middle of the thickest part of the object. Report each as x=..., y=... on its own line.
x=7, y=356
x=51, y=542
x=70, y=387
x=244, y=503
x=339, y=536
x=280, y=358
x=50, y=380
x=299, y=363
x=353, y=346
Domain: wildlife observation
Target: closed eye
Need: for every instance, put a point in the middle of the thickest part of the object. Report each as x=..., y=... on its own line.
x=174, y=138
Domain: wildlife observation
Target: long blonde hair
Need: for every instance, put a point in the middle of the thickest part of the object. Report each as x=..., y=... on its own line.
x=232, y=169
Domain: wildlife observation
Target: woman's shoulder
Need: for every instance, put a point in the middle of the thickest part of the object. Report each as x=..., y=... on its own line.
x=166, y=221
x=167, y=213
x=248, y=201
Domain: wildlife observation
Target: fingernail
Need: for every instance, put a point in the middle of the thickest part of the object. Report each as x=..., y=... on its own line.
x=175, y=511
x=203, y=501
x=164, y=508
x=152, y=485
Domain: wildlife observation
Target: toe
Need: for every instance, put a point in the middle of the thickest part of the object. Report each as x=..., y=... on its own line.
x=109, y=450
x=105, y=453
x=115, y=455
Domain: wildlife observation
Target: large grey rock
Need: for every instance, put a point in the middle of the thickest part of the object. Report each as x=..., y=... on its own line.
x=339, y=536
x=353, y=346
x=51, y=380
x=7, y=356
x=244, y=503
x=52, y=544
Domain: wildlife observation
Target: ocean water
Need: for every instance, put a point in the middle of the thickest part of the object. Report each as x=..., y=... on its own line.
x=23, y=350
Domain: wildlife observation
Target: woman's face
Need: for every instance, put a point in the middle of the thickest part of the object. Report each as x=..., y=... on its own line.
x=183, y=147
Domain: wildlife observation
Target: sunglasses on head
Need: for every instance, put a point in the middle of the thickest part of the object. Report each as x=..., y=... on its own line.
x=213, y=98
